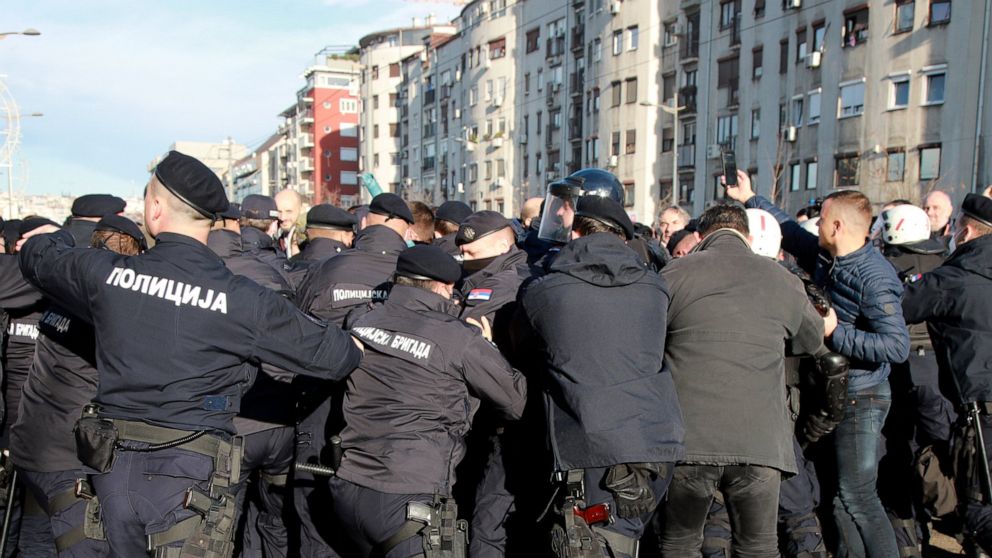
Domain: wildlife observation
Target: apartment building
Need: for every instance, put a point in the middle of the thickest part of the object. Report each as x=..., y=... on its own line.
x=219, y=157
x=260, y=172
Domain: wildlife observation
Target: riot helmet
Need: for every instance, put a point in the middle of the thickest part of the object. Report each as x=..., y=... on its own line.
x=562, y=195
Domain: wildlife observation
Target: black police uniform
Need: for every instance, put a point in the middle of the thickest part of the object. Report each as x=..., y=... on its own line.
x=955, y=300
x=330, y=291
x=407, y=411
x=264, y=422
x=263, y=247
x=319, y=249
x=93, y=206
x=175, y=333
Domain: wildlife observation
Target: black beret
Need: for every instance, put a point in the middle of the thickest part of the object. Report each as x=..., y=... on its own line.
x=478, y=225
x=233, y=211
x=97, y=205
x=979, y=208
x=391, y=206
x=677, y=237
x=119, y=224
x=424, y=261
x=453, y=211
x=606, y=211
x=33, y=223
x=257, y=206
x=327, y=216
x=192, y=182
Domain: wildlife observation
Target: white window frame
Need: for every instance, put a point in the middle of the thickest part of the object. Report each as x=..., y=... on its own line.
x=928, y=72
x=840, y=98
x=812, y=119
x=755, y=123
x=813, y=166
x=617, y=42
x=633, y=37
x=348, y=106
x=896, y=78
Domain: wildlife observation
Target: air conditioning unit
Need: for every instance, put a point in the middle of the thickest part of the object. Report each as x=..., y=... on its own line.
x=497, y=142
x=613, y=162
x=793, y=4
x=497, y=100
x=713, y=151
x=461, y=187
x=790, y=133
x=814, y=59
x=615, y=7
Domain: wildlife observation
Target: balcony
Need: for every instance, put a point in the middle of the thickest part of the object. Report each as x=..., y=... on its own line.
x=575, y=129
x=733, y=94
x=555, y=46
x=306, y=141
x=687, y=98
x=687, y=156
x=551, y=96
x=430, y=130
x=427, y=164
x=689, y=49
x=306, y=165
x=306, y=117
x=735, y=32
x=578, y=37
x=429, y=97
x=576, y=82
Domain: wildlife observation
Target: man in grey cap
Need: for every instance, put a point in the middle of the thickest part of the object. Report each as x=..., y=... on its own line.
x=159, y=434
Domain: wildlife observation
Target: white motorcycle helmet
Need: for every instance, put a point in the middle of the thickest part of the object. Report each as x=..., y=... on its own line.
x=766, y=235
x=904, y=224
x=812, y=226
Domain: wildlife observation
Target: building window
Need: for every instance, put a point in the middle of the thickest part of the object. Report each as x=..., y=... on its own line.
x=349, y=178
x=794, y=177
x=667, y=139
x=533, y=40
x=759, y=9
x=539, y=115
x=727, y=12
x=394, y=70
x=798, y=109
x=783, y=56
x=473, y=172
x=755, y=123
x=895, y=165
x=756, y=62
x=819, y=33
x=633, y=38
x=394, y=158
x=394, y=130
x=811, y=168
x=615, y=143
x=814, y=107
x=595, y=150
x=597, y=50
x=852, y=99
x=934, y=85
x=375, y=130
x=930, y=162
x=615, y=94
x=801, y=45
x=540, y=80
x=905, y=10
x=689, y=133
x=617, y=42
x=940, y=12
x=847, y=170
x=375, y=102
x=631, y=90
x=349, y=154
x=348, y=106
x=375, y=72
x=595, y=100
x=473, y=95
x=349, y=130
x=898, y=91
x=497, y=48
x=671, y=37
x=855, y=29
x=488, y=165
x=630, y=146
x=628, y=194
x=538, y=165
x=726, y=130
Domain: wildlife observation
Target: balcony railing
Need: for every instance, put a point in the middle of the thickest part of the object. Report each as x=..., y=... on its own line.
x=689, y=48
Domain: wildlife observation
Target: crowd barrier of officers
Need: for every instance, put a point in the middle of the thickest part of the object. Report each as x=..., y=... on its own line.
x=396, y=380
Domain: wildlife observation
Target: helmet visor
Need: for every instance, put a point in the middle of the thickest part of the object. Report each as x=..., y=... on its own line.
x=556, y=221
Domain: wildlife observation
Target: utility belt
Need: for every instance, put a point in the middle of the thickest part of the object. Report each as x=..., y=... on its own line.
x=92, y=527
x=210, y=532
x=437, y=523
x=578, y=529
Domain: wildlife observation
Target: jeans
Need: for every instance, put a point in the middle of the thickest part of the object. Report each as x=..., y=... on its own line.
x=751, y=494
x=863, y=526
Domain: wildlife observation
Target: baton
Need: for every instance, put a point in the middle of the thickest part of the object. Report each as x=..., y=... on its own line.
x=982, y=454
x=8, y=513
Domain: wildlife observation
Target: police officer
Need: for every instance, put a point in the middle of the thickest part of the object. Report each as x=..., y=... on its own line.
x=330, y=231
x=447, y=219
x=330, y=291
x=955, y=301
x=88, y=210
x=175, y=332
x=265, y=420
x=407, y=410
x=62, y=380
x=259, y=224
x=920, y=415
x=613, y=417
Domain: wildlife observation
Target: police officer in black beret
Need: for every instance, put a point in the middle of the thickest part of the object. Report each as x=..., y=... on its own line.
x=87, y=210
x=330, y=291
x=447, y=219
x=610, y=401
x=408, y=408
x=955, y=301
x=63, y=379
x=176, y=336
x=330, y=231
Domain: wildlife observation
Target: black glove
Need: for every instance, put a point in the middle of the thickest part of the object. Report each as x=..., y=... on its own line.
x=816, y=427
x=630, y=484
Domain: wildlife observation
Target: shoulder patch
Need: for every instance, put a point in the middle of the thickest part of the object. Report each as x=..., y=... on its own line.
x=480, y=294
x=889, y=309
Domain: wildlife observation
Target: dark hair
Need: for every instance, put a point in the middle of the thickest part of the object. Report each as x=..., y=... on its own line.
x=724, y=216
x=586, y=226
x=445, y=227
x=426, y=284
x=260, y=224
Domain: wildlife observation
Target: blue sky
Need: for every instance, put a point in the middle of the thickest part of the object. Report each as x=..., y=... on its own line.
x=119, y=81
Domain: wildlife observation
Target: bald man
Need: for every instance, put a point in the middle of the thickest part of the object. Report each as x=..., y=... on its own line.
x=530, y=209
x=939, y=208
x=290, y=204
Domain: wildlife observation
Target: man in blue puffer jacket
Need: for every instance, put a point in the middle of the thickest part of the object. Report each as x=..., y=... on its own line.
x=871, y=332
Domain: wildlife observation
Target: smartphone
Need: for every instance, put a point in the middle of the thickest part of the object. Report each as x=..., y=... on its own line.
x=730, y=168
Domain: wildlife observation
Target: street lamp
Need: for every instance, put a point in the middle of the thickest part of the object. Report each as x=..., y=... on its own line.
x=30, y=32
x=674, y=109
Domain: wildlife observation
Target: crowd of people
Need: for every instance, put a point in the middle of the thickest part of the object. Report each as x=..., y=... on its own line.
x=397, y=380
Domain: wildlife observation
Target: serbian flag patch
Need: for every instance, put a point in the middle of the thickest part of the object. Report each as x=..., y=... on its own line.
x=480, y=294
